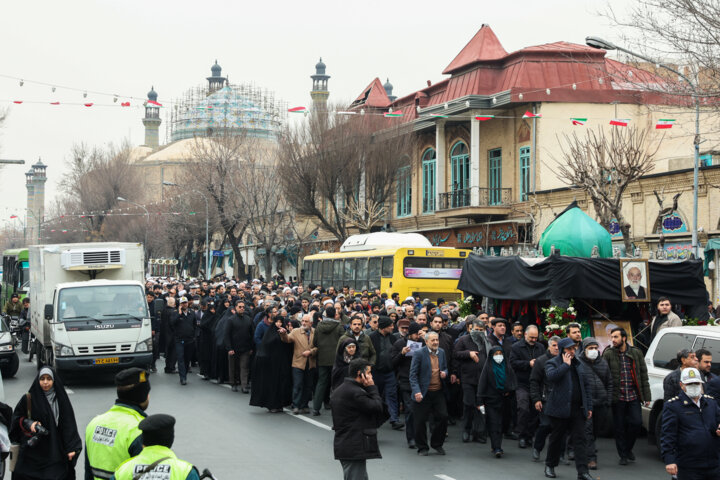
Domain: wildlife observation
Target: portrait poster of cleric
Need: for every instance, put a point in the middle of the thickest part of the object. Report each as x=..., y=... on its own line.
x=635, y=281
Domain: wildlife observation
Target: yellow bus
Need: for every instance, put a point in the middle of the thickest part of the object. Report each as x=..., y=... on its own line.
x=375, y=261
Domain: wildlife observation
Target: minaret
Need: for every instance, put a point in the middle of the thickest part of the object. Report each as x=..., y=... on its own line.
x=35, y=183
x=152, y=120
x=320, y=91
x=30, y=210
x=388, y=89
x=216, y=81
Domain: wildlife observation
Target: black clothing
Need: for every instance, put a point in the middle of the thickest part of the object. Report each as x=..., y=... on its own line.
x=340, y=369
x=598, y=373
x=401, y=363
x=432, y=403
x=538, y=386
x=239, y=333
x=183, y=326
x=383, y=351
x=356, y=412
x=271, y=372
x=506, y=344
x=206, y=343
x=465, y=366
x=48, y=458
x=520, y=356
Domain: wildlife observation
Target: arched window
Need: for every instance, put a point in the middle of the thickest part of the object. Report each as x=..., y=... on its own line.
x=404, y=192
x=460, y=165
x=428, y=180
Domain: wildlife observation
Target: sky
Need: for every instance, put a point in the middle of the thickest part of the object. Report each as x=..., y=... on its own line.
x=125, y=47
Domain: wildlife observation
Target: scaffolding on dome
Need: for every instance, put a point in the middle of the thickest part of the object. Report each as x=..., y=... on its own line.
x=243, y=109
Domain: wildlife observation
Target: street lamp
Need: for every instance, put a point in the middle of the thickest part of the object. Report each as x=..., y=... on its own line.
x=147, y=214
x=596, y=42
x=207, y=227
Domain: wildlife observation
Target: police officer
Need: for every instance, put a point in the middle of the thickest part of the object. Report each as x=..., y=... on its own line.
x=690, y=429
x=156, y=458
x=113, y=437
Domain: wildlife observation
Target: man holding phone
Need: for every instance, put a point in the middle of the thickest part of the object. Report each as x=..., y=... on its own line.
x=356, y=408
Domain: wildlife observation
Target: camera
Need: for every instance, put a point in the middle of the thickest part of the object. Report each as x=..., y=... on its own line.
x=40, y=431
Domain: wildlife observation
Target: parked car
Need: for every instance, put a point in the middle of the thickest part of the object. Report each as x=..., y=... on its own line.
x=661, y=360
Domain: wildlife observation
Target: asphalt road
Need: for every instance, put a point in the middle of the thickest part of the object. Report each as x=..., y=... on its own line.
x=217, y=429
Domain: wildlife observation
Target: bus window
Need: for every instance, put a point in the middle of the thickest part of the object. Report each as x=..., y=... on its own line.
x=387, y=267
x=337, y=274
x=374, y=273
x=423, y=267
x=361, y=282
x=349, y=277
x=316, y=270
x=326, y=274
x=306, y=271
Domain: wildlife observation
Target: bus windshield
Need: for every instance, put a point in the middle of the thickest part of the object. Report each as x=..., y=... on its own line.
x=101, y=302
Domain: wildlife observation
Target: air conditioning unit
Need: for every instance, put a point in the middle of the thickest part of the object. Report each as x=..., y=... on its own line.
x=92, y=259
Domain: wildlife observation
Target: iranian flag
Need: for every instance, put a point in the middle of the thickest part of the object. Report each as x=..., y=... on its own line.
x=529, y=114
x=297, y=109
x=125, y=104
x=664, y=123
x=396, y=113
x=54, y=103
x=17, y=101
x=620, y=122
x=578, y=121
x=13, y=216
x=153, y=102
x=88, y=104
x=439, y=115
x=484, y=118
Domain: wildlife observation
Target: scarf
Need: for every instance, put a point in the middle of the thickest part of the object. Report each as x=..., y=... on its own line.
x=499, y=371
x=480, y=340
x=50, y=394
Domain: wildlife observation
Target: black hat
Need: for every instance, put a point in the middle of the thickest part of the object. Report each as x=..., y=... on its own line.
x=133, y=385
x=14, y=295
x=158, y=429
x=414, y=328
x=497, y=320
x=384, y=322
x=294, y=310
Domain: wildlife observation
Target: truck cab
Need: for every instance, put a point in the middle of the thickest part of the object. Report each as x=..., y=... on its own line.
x=661, y=360
x=98, y=323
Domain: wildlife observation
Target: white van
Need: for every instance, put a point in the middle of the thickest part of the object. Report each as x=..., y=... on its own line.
x=661, y=360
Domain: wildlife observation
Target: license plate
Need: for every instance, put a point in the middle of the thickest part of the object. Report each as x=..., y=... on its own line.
x=103, y=361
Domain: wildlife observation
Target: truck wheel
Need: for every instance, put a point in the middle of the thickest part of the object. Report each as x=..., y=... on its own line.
x=11, y=369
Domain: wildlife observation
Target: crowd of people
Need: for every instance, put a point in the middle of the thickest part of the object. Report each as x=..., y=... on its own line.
x=296, y=347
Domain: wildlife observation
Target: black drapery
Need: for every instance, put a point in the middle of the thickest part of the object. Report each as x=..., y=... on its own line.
x=511, y=278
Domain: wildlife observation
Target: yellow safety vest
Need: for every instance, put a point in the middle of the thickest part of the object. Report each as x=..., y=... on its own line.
x=172, y=468
x=108, y=438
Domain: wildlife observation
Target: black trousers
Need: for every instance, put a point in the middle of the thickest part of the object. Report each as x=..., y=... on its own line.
x=407, y=400
x=433, y=403
x=498, y=412
x=575, y=424
x=627, y=420
x=527, y=419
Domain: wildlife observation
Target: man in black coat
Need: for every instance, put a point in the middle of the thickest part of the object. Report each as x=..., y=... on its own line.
x=183, y=326
x=386, y=381
x=401, y=361
x=523, y=355
x=469, y=356
x=539, y=389
x=356, y=410
x=239, y=344
x=569, y=404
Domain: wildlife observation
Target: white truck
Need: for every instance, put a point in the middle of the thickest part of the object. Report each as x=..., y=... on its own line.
x=89, y=310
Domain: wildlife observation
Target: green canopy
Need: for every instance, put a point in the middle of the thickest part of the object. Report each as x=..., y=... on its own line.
x=712, y=245
x=575, y=234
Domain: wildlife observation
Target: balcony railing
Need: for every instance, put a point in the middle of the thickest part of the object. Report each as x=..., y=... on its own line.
x=486, y=197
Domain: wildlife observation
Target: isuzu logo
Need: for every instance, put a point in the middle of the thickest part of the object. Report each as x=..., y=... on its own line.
x=104, y=326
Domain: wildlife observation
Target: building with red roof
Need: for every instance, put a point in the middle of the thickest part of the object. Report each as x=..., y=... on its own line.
x=484, y=166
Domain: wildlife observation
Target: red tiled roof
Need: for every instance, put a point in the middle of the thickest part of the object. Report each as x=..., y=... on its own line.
x=372, y=96
x=484, y=46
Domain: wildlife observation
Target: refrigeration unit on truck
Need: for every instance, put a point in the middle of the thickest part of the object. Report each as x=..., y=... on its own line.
x=88, y=308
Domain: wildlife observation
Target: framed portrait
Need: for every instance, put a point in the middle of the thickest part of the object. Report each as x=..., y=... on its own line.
x=602, y=328
x=634, y=280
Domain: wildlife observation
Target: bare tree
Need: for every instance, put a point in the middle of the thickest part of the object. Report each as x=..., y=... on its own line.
x=339, y=169
x=604, y=165
x=216, y=163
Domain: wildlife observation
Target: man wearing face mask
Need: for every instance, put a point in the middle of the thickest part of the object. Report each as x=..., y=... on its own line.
x=569, y=404
x=598, y=373
x=689, y=440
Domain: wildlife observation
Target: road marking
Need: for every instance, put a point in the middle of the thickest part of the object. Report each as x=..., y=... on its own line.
x=442, y=476
x=308, y=420
x=69, y=392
